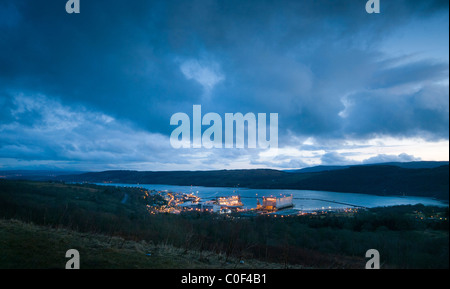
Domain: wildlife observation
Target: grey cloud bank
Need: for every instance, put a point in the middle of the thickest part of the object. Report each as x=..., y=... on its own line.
x=97, y=89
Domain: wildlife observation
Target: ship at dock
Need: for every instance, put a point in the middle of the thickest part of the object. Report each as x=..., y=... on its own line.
x=272, y=204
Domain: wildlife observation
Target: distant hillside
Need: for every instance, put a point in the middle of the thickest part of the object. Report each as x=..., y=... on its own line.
x=417, y=165
x=34, y=174
x=407, y=165
x=367, y=179
x=317, y=169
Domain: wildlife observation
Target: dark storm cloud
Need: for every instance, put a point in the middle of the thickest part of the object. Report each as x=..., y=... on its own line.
x=422, y=112
x=44, y=130
x=316, y=63
x=103, y=58
x=382, y=158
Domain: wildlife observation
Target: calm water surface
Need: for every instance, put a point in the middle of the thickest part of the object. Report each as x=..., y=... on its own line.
x=303, y=199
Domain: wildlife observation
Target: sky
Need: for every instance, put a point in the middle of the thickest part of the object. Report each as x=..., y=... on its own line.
x=96, y=90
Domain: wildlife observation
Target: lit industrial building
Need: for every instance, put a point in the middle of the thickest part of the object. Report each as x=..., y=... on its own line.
x=231, y=201
x=275, y=203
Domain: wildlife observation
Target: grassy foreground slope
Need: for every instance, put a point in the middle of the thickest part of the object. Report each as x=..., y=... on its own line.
x=41, y=221
x=29, y=246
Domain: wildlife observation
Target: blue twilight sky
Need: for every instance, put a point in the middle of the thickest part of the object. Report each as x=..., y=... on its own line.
x=96, y=90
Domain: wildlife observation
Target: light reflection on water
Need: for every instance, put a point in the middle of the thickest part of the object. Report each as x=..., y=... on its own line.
x=303, y=199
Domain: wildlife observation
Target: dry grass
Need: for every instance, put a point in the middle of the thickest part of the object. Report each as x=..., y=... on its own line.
x=25, y=245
